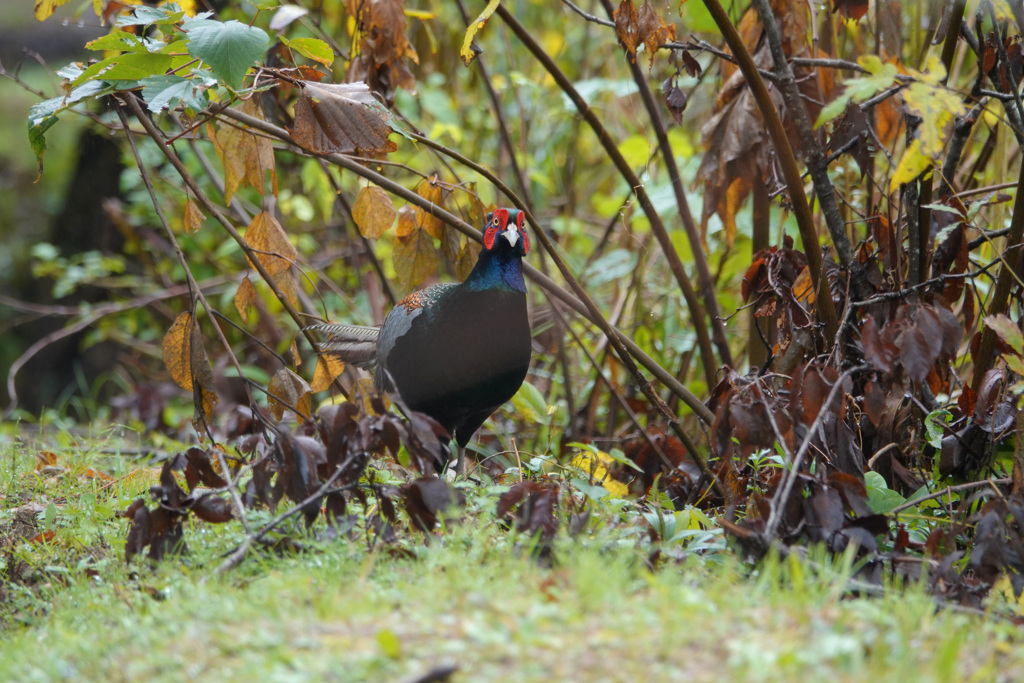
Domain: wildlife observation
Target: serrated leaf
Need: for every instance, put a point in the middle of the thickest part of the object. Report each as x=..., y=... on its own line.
x=122, y=41
x=229, y=48
x=341, y=117
x=144, y=15
x=166, y=92
x=936, y=107
x=42, y=111
x=880, y=77
x=373, y=212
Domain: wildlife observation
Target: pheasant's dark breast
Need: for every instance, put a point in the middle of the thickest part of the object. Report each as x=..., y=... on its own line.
x=458, y=354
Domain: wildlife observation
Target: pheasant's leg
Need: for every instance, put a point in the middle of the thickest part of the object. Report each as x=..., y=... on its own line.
x=460, y=463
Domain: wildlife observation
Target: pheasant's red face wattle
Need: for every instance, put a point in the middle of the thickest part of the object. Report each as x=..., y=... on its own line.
x=499, y=219
x=521, y=225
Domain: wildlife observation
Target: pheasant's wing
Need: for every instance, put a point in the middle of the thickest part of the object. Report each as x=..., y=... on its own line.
x=354, y=344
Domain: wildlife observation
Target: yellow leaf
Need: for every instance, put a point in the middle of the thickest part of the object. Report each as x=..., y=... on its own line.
x=803, y=288
x=596, y=466
x=362, y=394
x=177, y=350
x=189, y=367
x=373, y=212
x=415, y=258
x=406, y=222
x=328, y=367
x=193, y=217
x=286, y=282
x=245, y=295
x=913, y=163
x=44, y=9
x=270, y=242
x=467, y=52
x=288, y=391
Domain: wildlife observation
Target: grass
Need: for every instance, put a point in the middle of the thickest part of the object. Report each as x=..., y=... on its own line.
x=472, y=597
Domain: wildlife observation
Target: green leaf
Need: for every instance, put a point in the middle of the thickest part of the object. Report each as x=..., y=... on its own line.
x=881, y=498
x=934, y=425
x=163, y=92
x=118, y=40
x=160, y=16
x=42, y=116
x=620, y=457
x=312, y=48
x=880, y=76
x=230, y=48
x=592, y=491
x=389, y=643
x=37, y=138
x=530, y=404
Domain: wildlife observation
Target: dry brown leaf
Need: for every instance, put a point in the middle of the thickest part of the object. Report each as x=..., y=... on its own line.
x=177, y=348
x=341, y=117
x=287, y=283
x=270, y=242
x=383, y=46
x=189, y=367
x=328, y=368
x=626, y=18
x=194, y=218
x=652, y=30
x=431, y=190
x=373, y=212
x=245, y=156
x=406, y=222
x=245, y=295
x=45, y=459
x=288, y=391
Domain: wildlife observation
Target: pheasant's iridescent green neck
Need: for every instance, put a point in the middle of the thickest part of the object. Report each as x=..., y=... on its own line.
x=498, y=269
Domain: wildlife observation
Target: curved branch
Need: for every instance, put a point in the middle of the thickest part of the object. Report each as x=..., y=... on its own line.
x=707, y=286
x=657, y=226
x=787, y=161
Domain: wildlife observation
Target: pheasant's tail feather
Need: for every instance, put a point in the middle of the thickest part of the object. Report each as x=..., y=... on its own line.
x=354, y=344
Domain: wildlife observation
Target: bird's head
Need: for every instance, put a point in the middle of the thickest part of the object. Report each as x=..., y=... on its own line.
x=506, y=226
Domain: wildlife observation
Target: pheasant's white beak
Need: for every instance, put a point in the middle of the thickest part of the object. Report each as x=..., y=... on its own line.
x=511, y=234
